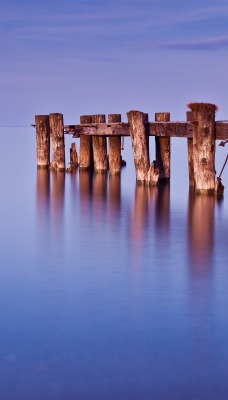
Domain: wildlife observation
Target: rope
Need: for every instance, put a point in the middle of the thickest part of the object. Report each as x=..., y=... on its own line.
x=223, y=166
x=122, y=145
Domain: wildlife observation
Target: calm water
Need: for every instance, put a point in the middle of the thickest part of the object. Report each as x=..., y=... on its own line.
x=109, y=290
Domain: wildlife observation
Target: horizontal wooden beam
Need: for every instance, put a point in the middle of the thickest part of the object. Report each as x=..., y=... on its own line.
x=162, y=129
x=221, y=130
x=174, y=129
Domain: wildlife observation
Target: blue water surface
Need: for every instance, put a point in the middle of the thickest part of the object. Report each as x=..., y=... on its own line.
x=109, y=290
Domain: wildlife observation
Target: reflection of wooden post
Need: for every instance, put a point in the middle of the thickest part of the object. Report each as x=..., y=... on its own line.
x=190, y=117
x=163, y=150
x=86, y=150
x=58, y=189
x=57, y=141
x=99, y=147
x=43, y=187
x=204, y=146
x=114, y=148
x=114, y=190
x=136, y=121
x=42, y=141
x=201, y=230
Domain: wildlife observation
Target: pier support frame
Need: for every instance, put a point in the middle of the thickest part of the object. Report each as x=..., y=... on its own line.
x=204, y=146
x=86, y=149
x=42, y=141
x=57, y=141
x=114, y=148
x=99, y=147
x=162, y=150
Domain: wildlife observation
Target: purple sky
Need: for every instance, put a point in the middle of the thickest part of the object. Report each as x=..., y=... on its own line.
x=86, y=57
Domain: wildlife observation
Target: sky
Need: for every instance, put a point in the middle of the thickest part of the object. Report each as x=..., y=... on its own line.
x=81, y=57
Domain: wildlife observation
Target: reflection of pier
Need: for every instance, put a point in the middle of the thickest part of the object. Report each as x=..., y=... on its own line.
x=50, y=194
x=200, y=231
x=43, y=189
x=151, y=204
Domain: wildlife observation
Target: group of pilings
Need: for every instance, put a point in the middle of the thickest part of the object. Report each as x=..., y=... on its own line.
x=94, y=154
x=94, y=151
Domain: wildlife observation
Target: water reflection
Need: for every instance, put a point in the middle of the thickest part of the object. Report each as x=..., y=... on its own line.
x=100, y=197
x=151, y=206
x=43, y=189
x=162, y=209
x=201, y=211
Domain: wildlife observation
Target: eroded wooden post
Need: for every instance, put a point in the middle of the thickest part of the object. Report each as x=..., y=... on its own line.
x=86, y=149
x=162, y=145
x=136, y=120
x=190, y=117
x=204, y=146
x=42, y=141
x=73, y=155
x=114, y=148
x=99, y=147
x=57, y=141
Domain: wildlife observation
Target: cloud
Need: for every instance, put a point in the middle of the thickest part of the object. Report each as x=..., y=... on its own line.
x=215, y=43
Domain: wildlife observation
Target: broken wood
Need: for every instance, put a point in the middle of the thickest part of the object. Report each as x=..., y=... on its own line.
x=190, y=117
x=114, y=147
x=73, y=155
x=57, y=141
x=162, y=150
x=99, y=147
x=136, y=120
x=204, y=146
x=42, y=141
x=86, y=148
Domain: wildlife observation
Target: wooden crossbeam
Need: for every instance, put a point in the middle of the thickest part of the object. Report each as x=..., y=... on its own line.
x=162, y=129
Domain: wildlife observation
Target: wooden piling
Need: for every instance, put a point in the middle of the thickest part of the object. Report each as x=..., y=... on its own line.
x=114, y=148
x=57, y=141
x=86, y=149
x=136, y=120
x=204, y=146
x=190, y=117
x=99, y=147
x=73, y=155
x=162, y=145
x=42, y=141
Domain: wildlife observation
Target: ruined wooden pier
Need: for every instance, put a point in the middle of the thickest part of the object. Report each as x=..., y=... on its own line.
x=200, y=130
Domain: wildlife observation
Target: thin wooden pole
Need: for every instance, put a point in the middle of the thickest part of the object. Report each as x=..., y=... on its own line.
x=204, y=146
x=190, y=117
x=136, y=120
x=86, y=149
x=99, y=147
x=57, y=141
x=42, y=141
x=162, y=145
x=114, y=148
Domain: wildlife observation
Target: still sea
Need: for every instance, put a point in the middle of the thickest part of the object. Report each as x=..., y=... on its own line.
x=109, y=290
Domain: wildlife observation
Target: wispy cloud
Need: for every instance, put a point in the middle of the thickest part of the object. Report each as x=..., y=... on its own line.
x=201, y=44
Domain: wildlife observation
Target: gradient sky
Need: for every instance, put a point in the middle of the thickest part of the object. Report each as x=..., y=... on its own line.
x=86, y=57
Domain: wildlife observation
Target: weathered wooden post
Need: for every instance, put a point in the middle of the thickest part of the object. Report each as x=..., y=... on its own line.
x=162, y=145
x=144, y=171
x=73, y=155
x=99, y=147
x=57, y=141
x=114, y=148
x=204, y=146
x=190, y=117
x=136, y=120
x=86, y=149
x=42, y=141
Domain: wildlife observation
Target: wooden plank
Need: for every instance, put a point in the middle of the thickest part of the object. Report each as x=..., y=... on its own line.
x=166, y=129
x=221, y=128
